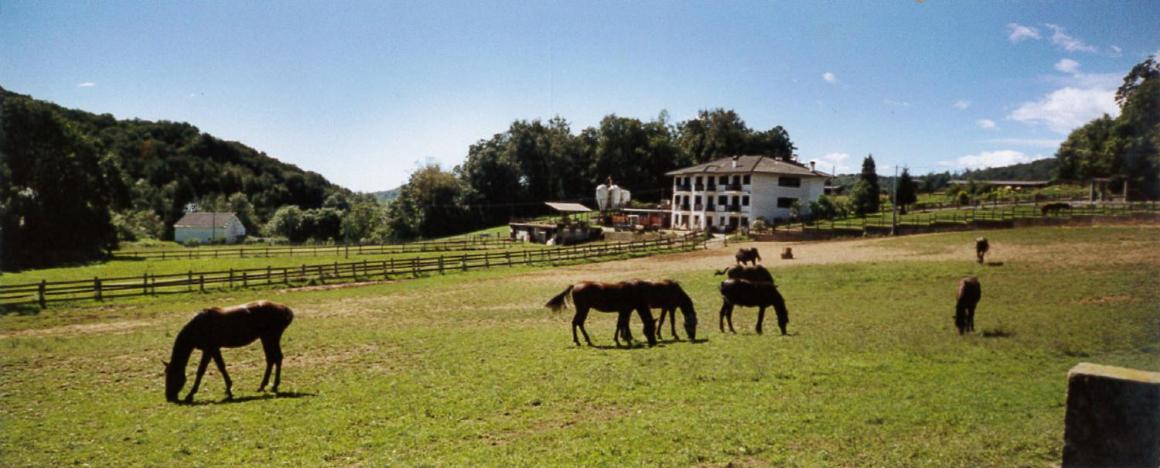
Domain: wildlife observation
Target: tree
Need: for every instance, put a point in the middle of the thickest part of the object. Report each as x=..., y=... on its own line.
x=364, y=222
x=864, y=194
x=286, y=222
x=713, y=135
x=907, y=191
x=1144, y=71
x=429, y=205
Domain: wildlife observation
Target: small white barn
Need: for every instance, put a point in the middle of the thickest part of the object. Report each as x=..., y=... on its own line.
x=209, y=228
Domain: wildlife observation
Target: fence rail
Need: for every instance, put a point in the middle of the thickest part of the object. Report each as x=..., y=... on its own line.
x=317, y=250
x=994, y=213
x=102, y=289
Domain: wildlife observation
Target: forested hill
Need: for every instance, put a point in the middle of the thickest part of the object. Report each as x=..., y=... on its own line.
x=129, y=173
x=1042, y=169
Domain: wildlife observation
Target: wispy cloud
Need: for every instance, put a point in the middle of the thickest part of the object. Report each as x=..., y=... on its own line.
x=1018, y=32
x=1029, y=142
x=1068, y=43
x=891, y=102
x=961, y=104
x=987, y=124
x=987, y=159
x=1067, y=66
x=830, y=78
x=837, y=162
x=1115, y=51
x=87, y=84
x=1065, y=109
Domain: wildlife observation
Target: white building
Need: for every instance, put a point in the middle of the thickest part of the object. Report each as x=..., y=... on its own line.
x=208, y=228
x=733, y=192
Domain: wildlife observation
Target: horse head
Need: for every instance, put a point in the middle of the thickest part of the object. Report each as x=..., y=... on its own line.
x=174, y=381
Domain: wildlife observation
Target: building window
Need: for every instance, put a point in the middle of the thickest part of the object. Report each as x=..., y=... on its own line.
x=746, y=180
x=721, y=200
x=745, y=222
x=745, y=200
x=698, y=180
x=789, y=181
x=723, y=180
x=785, y=202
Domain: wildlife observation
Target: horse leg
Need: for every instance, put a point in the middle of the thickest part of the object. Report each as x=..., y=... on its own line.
x=782, y=320
x=971, y=319
x=760, y=318
x=205, y=356
x=661, y=324
x=221, y=365
x=650, y=331
x=721, y=316
x=578, y=322
x=273, y=347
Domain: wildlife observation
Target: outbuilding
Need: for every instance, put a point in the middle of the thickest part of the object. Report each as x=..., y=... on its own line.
x=208, y=228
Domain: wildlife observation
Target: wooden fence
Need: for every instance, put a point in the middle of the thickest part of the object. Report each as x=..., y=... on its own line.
x=345, y=250
x=103, y=289
x=992, y=213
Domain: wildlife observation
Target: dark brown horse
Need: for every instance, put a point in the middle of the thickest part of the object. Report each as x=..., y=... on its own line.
x=668, y=296
x=234, y=327
x=749, y=255
x=966, y=299
x=751, y=273
x=758, y=294
x=621, y=298
x=981, y=248
x=1055, y=208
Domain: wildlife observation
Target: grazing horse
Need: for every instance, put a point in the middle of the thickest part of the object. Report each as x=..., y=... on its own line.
x=621, y=298
x=751, y=273
x=1054, y=208
x=981, y=248
x=758, y=294
x=668, y=296
x=749, y=255
x=787, y=254
x=233, y=327
x=967, y=298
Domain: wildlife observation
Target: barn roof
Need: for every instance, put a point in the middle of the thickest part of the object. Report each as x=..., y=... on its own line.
x=568, y=207
x=747, y=165
x=205, y=220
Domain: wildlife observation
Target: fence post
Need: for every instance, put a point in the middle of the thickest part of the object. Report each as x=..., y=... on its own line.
x=201, y=283
x=40, y=293
x=463, y=262
x=441, y=264
x=415, y=267
x=285, y=276
x=269, y=275
x=509, y=258
x=336, y=268
x=486, y=260
x=231, y=278
x=245, y=280
x=145, y=284
x=97, y=287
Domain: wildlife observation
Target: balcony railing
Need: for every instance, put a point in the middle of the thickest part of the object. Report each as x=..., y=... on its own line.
x=699, y=187
x=710, y=207
x=684, y=207
x=733, y=187
x=735, y=207
x=698, y=207
x=684, y=187
x=711, y=187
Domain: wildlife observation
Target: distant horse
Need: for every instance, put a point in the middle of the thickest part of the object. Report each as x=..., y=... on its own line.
x=1054, y=208
x=751, y=273
x=621, y=298
x=758, y=294
x=668, y=296
x=967, y=298
x=981, y=248
x=787, y=254
x=749, y=255
x=216, y=328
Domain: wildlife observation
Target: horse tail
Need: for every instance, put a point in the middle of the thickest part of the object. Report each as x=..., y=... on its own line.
x=722, y=272
x=560, y=301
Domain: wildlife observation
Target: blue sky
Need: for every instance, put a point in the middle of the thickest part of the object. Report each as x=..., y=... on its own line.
x=362, y=91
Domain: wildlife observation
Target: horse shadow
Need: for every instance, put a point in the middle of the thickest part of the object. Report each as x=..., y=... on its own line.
x=994, y=264
x=249, y=398
x=20, y=310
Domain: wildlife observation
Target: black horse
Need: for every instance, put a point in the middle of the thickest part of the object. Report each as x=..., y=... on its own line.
x=751, y=273
x=760, y=294
x=621, y=298
x=967, y=297
x=981, y=248
x=668, y=296
x=233, y=327
x=749, y=255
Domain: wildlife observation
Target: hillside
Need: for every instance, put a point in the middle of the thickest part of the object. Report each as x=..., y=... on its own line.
x=1042, y=169
x=98, y=174
x=387, y=195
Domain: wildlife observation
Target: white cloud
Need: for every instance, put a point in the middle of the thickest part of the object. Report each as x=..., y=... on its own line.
x=837, y=162
x=961, y=104
x=987, y=124
x=1116, y=51
x=891, y=102
x=1020, y=32
x=87, y=84
x=1068, y=108
x=829, y=77
x=1030, y=142
x=987, y=159
x=1068, y=43
x=1067, y=66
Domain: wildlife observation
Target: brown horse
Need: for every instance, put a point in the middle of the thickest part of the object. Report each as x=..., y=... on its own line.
x=981, y=248
x=758, y=294
x=621, y=298
x=234, y=327
x=1055, y=208
x=966, y=299
x=749, y=255
x=668, y=296
x=751, y=273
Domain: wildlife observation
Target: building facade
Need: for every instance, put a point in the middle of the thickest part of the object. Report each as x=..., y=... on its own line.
x=209, y=228
x=731, y=193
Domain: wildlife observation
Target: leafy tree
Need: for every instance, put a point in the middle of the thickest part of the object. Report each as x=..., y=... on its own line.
x=322, y=224
x=1144, y=71
x=864, y=194
x=138, y=225
x=429, y=204
x=365, y=222
x=907, y=191
x=54, y=199
x=823, y=208
x=240, y=205
x=286, y=222
x=713, y=135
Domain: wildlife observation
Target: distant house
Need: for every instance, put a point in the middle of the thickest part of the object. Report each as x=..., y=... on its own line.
x=209, y=227
x=733, y=192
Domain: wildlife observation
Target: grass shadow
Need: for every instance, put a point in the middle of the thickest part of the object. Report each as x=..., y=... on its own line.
x=249, y=398
x=997, y=333
x=20, y=309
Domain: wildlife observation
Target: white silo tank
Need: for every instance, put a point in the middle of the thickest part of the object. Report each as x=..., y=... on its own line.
x=602, y=197
x=625, y=196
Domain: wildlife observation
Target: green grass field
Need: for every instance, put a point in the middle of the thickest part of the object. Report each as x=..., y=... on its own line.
x=471, y=369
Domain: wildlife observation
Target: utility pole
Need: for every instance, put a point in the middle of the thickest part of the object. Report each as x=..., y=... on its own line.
x=894, y=204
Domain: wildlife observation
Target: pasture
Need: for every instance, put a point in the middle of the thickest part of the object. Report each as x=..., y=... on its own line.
x=471, y=369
